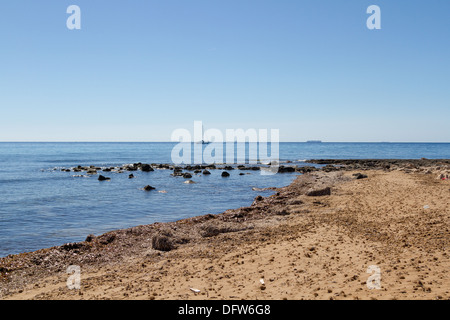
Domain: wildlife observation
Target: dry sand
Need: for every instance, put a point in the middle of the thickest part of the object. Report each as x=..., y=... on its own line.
x=303, y=247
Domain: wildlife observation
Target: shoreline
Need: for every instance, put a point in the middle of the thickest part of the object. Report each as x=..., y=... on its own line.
x=32, y=275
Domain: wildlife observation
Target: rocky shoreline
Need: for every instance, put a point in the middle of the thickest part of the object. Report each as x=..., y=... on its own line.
x=153, y=242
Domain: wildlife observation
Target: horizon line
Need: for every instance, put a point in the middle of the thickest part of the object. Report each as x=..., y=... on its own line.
x=308, y=141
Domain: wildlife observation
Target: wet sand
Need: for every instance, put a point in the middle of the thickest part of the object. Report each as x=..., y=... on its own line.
x=288, y=246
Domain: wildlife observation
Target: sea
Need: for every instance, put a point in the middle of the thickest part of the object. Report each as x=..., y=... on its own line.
x=42, y=206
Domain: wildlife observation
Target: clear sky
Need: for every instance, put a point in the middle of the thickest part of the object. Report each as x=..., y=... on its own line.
x=137, y=70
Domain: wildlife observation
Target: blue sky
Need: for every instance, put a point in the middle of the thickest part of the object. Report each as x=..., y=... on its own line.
x=140, y=69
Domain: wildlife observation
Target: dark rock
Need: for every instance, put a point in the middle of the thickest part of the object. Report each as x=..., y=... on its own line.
x=319, y=192
x=306, y=169
x=107, y=238
x=146, y=168
x=360, y=176
x=282, y=212
x=206, y=172
x=131, y=176
x=283, y=169
x=187, y=175
x=149, y=188
x=162, y=243
x=72, y=246
x=90, y=238
x=225, y=174
x=102, y=178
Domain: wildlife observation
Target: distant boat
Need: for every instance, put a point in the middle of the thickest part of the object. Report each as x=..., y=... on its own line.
x=314, y=141
x=203, y=141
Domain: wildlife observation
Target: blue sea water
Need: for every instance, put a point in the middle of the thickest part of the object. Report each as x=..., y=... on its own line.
x=41, y=207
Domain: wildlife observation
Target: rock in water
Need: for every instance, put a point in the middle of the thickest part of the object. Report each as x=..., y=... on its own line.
x=146, y=168
x=102, y=178
x=131, y=176
x=225, y=174
x=149, y=188
x=206, y=172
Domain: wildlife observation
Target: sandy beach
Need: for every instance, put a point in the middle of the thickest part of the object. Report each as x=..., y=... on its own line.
x=322, y=237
